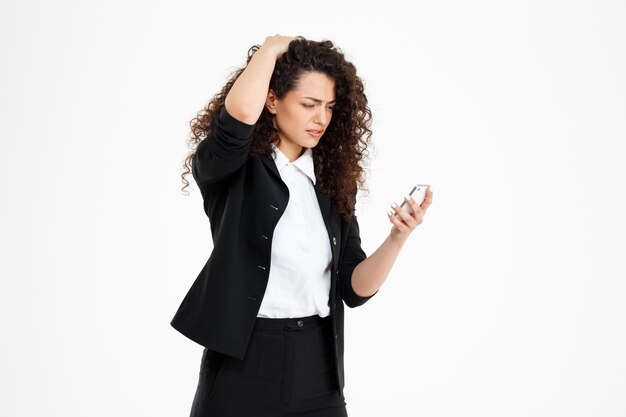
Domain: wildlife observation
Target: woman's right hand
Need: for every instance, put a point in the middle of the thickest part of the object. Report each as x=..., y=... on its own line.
x=278, y=44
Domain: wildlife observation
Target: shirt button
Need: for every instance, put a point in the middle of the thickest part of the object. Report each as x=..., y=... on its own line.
x=300, y=323
x=334, y=241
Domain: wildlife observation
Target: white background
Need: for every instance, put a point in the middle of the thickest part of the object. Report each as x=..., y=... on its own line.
x=507, y=301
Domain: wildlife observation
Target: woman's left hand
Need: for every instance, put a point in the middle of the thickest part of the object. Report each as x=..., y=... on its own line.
x=408, y=222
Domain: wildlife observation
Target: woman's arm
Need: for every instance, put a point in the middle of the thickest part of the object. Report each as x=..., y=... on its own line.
x=226, y=147
x=369, y=274
x=246, y=98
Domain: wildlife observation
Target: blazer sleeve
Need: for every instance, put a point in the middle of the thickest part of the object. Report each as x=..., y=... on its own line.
x=353, y=255
x=223, y=151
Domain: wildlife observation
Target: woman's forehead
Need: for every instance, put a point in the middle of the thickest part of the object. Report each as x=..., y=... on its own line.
x=316, y=86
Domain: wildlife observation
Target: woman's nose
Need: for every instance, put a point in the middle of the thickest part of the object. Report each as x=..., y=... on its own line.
x=321, y=116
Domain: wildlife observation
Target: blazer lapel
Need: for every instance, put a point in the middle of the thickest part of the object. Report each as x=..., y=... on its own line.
x=271, y=165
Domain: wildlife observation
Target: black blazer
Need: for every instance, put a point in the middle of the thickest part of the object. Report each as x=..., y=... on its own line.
x=244, y=197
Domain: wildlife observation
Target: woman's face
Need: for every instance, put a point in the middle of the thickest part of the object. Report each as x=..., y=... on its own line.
x=303, y=114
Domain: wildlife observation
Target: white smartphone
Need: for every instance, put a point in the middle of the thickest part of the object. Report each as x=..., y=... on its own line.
x=418, y=193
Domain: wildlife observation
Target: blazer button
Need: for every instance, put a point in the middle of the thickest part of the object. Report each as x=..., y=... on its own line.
x=334, y=241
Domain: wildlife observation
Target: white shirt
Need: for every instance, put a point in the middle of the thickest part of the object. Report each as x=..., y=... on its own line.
x=301, y=260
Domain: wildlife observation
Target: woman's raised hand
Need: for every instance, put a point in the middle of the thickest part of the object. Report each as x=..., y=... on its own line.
x=278, y=44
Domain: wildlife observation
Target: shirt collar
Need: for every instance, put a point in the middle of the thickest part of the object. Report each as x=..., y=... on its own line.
x=304, y=163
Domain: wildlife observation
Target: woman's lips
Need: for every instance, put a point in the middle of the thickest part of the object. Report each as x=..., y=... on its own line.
x=315, y=133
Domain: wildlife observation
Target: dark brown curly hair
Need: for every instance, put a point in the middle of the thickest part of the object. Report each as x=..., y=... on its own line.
x=342, y=152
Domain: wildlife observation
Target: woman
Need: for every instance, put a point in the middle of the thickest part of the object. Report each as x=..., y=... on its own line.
x=278, y=170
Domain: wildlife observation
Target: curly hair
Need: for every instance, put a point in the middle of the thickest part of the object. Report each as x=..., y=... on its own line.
x=342, y=152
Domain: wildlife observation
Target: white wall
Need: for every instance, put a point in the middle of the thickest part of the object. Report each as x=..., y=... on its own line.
x=507, y=301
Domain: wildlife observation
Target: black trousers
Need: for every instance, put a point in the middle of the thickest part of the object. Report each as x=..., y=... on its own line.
x=288, y=371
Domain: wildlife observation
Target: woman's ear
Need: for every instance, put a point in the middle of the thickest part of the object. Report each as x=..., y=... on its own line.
x=270, y=102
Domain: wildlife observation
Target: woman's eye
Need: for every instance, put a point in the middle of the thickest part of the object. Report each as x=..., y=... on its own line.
x=310, y=106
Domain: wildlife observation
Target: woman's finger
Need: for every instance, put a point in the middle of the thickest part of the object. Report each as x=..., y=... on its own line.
x=417, y=210
x=418, y=213
x=397, y=222
x=404, y=216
